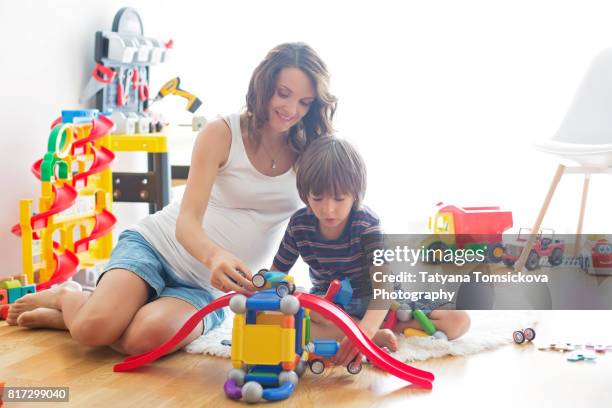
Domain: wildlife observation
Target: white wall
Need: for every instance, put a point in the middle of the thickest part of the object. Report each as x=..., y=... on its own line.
x=443, y=98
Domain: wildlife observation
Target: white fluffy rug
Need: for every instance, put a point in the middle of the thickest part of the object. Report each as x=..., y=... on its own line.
x=489, y=330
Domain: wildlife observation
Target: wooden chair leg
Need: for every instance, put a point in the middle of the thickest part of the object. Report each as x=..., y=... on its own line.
x=520, y=263
x=585, y=192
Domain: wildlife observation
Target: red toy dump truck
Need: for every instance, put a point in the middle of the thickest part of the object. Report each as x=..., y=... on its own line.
x=469, y=228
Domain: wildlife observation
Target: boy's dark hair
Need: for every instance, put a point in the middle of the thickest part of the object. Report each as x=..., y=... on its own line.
x=331, y=165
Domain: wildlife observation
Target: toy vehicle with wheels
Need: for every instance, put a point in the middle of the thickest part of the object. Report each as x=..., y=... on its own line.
x=283, y=283
x=320, y=352
x=544, y=246
x=474, y=228
x=520, y=336
x=597, y=260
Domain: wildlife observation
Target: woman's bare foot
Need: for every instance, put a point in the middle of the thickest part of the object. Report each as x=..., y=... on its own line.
x=386, y=338
x=48, y=298
x=42, y=317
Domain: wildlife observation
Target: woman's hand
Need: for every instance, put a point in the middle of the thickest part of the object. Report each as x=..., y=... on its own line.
x=228, y=273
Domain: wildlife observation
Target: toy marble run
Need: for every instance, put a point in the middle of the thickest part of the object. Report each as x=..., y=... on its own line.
x=272, y=343
x=75, y=203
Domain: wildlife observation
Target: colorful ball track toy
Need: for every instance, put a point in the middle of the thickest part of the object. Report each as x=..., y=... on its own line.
x=272, y=344
x=76, y=198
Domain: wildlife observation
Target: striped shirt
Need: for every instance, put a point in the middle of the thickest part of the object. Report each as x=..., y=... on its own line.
x=348, y=256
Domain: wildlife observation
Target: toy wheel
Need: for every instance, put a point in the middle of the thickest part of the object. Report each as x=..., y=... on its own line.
x=259, y=280
x=495, y=253
x=317, y=366
x=354, y=367
x=518, y=337
x=533, y=260
x=556, y=257
x=283, y=289
x=508, y=262
x=529, y=334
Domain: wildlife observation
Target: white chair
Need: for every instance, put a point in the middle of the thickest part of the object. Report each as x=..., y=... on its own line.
x=585, y=138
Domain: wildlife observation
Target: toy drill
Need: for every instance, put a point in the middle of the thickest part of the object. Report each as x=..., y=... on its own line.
x=172, y=87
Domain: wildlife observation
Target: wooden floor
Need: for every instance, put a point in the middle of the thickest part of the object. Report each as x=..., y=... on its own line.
x=509, y=376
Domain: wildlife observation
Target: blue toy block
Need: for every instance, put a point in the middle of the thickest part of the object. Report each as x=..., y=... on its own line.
x=274, y=276
x=14, y=294
x=68, y=116
x=279, y=393
x=299, y=321
x=265, y=379
x=264, y=300
x=326, y=347
x=251, y=317
x=28, y=289
x=345, y=294
x=264, y=368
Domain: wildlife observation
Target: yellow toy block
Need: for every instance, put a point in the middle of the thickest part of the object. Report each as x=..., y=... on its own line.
x=264, y=344
x=408, y=332
x=237, y=340
x=10, y=284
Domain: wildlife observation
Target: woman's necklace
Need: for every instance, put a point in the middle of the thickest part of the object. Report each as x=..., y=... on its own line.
x=272, y=157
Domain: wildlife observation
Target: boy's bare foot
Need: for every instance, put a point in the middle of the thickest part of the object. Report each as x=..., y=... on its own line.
x=48, y=298
x=42, y=317
x=386, y=338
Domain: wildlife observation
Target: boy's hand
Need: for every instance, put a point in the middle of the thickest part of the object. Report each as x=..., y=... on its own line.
x=346, y=353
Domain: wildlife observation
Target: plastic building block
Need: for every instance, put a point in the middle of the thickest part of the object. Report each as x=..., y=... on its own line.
x=68, y=116
x=4, y=309
x=3, y=297
x=345, y=294
x=10, y=284
x=264, y=300
x=424, y=321
x=28, y=289
x=14, y=294
x=410, y=332
x=326, y=347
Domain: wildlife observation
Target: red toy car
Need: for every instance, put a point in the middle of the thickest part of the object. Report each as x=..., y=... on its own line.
x=545, y=245
x=599, y=260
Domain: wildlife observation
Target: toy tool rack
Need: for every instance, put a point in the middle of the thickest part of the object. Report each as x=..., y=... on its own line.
x=126, y=51
x=73, y=223
x=129, y=54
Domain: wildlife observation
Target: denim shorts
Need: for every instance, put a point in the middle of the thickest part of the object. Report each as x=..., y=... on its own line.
x=135, y=254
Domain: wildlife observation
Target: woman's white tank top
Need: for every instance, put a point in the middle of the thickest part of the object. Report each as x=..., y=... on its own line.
x=246, y=214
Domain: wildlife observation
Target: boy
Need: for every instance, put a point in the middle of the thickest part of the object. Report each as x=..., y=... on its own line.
x=336, y=236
